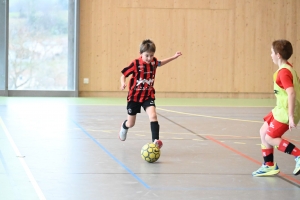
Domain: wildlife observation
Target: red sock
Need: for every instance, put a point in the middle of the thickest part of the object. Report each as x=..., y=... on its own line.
x=287, y=147
x=268, y=156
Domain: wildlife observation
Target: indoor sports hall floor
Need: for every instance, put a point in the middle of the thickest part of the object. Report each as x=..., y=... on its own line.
x=68, y=148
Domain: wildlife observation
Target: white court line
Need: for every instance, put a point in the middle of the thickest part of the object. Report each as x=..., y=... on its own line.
x=21, y=159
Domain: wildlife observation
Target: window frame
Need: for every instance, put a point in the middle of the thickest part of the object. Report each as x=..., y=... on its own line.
x=72, y=55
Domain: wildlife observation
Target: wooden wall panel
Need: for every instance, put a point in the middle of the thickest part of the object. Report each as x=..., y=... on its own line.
x=296, y=27
x=225, y=44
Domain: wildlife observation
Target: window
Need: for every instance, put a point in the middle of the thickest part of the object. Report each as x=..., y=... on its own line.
x=42, y=53
x=3, y=47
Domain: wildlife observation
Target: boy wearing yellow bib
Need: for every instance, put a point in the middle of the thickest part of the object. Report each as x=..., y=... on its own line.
x=286, y=113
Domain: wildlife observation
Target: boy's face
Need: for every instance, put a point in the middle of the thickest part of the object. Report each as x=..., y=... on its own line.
x=147, y=56
x=274, y=56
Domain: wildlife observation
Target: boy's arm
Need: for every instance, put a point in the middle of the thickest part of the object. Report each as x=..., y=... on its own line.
x=123, y=82
x=165, y=61
x=291, y=106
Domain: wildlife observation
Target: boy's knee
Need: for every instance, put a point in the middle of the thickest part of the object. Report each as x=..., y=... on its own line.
x=153, y=117
x=129, y=124
x=263, y=132
x=268, y=139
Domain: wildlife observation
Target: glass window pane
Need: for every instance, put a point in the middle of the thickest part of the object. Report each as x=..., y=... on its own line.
x=38, y=45
x=3, y=44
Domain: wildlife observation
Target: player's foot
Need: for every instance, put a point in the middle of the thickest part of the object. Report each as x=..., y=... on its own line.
x=123, y=133
x=158, y=143
x=266, y=170
x=297, y=167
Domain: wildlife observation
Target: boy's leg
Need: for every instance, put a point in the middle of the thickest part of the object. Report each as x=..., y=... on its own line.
x=273, y=137
x=289, y=148
x=150, y=109
x=269, y=167
x=132, y=109
x=125, y=126
x=130, y=122
x=266, y=148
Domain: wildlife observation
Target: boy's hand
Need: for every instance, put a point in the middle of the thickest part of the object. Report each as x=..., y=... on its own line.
x=177, y=54
x=292, y=123
x=123, y=86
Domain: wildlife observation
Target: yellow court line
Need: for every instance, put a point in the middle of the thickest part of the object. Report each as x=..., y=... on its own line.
x=105, y=131
x=237, y=136
x=197, y=140
x=218, y=106
x=207, y=116
x=21, y=158
x=239, y=143
x=139, y=135
x=177, y=105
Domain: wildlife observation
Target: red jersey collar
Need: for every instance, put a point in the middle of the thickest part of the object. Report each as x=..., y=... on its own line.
x=289, y=64
x=143, y=62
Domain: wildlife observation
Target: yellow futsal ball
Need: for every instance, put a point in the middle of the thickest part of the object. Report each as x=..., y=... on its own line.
x=150, y=152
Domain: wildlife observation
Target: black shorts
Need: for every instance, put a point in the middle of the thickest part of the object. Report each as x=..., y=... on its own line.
x=135, y=107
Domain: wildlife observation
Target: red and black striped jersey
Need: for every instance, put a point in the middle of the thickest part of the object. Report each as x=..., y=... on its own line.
x=142, y=80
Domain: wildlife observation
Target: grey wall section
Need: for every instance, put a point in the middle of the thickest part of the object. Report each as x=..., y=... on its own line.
x=3, y=46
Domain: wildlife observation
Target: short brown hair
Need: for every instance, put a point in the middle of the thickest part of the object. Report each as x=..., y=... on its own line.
x=147, y=46
x=283, y=47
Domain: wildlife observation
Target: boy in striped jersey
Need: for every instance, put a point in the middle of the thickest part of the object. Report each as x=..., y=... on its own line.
x=141, y=91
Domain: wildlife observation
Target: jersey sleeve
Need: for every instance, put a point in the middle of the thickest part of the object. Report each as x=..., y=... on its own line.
x=128, y=70
x=157, y=62
x=285, y=77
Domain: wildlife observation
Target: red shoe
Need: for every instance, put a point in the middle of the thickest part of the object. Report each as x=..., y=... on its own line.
x=158, y=143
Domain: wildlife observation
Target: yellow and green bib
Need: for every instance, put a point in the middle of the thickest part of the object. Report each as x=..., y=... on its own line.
x=280, y=112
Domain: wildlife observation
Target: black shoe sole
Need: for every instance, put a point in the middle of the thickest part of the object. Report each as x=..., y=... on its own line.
x=297, y=173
